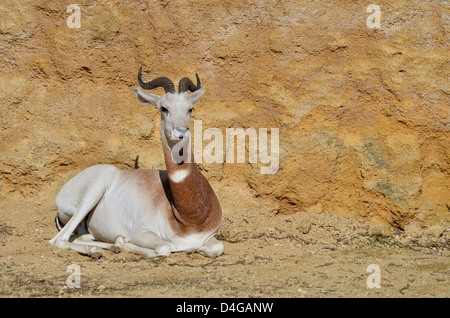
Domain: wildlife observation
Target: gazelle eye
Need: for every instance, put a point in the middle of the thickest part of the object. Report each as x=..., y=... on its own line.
x=190, y=110
x=164, y=110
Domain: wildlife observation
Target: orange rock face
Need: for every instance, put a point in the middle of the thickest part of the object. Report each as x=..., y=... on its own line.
x=363, y=113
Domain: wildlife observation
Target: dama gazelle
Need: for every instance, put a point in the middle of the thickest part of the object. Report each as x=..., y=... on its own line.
x=149, y=212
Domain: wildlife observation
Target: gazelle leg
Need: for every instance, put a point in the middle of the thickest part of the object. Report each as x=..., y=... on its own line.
x=92, y=251
x=86, y=245
x=93, y=195
x=212, y=248
x=162, y=250
x=89, y=240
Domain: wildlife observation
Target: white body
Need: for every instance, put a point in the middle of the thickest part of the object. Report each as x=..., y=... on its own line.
x=122, y=208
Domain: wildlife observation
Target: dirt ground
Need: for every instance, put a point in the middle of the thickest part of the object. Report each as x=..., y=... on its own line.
x=266, y=255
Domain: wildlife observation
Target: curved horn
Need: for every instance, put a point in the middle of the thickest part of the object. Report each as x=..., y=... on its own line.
x=186, y=84
x=164, y=82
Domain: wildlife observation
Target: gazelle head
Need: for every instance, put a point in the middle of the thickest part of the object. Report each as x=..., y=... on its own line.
x=175, y=107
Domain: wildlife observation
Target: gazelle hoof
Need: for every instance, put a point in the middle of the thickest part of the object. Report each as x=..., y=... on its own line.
x=96, y=255
x=163, y=250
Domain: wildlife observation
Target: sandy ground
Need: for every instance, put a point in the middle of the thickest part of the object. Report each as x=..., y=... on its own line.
x=266, y=255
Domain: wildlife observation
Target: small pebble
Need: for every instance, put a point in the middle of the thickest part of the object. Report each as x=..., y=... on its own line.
x=304, y=227
x=101, y=288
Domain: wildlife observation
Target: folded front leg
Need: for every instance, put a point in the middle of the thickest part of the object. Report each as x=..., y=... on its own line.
x=212, y=248
x=124, y=245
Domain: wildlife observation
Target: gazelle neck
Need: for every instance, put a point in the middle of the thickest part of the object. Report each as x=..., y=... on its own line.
x=195, y=204
x=178, y=157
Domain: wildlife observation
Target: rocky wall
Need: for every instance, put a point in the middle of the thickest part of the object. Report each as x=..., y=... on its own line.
x=362, y=113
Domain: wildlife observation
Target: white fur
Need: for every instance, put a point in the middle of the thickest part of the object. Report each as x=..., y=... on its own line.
x=178, y=175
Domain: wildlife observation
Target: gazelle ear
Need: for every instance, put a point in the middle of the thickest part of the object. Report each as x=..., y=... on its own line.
x=146, y=98
x=195, y=96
